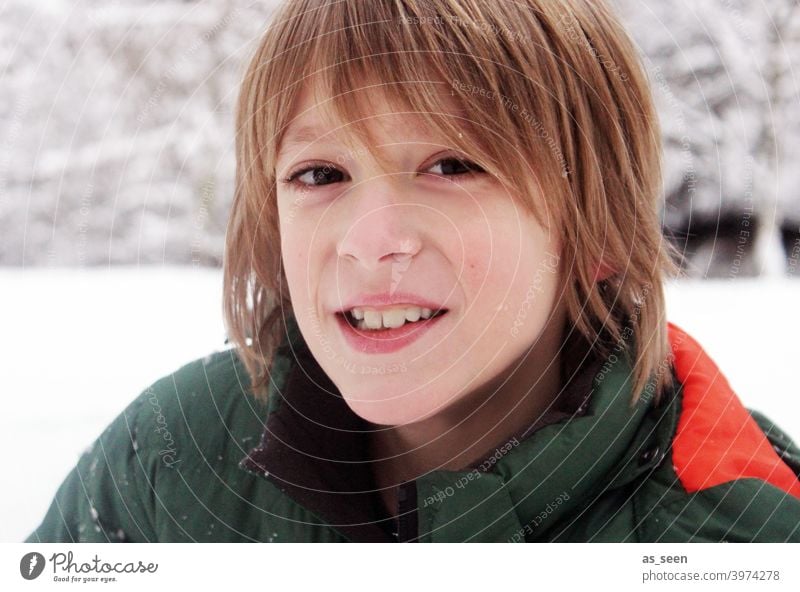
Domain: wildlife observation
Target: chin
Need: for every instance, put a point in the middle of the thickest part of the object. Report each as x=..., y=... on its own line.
x=394, y=408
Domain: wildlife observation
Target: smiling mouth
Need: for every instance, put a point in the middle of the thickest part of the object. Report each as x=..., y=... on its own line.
x=359, y=325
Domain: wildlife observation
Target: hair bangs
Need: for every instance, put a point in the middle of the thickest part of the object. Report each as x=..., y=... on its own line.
x=420, y=62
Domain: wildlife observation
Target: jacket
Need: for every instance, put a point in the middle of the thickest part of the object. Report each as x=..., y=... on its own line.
x=195, y=458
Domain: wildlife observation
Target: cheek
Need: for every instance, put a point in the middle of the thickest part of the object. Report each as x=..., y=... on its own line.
x=492, y=273
x=483, y=250
x=514, y=280
x=496, y=259
x=294, y=254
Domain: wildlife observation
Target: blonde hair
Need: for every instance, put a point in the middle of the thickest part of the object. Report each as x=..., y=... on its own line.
x=551, y=98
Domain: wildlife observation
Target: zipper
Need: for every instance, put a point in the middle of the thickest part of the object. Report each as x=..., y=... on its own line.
x=407, y=527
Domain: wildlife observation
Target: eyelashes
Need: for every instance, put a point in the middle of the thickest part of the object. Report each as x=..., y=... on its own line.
x=320, y=174
x=319, y=170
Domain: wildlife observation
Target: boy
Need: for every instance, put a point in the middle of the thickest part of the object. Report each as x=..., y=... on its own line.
x=443, y=281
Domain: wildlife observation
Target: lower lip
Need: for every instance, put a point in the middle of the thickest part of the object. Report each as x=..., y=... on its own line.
x=385, y=341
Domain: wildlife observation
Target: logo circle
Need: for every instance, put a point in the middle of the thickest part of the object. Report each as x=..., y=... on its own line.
x=31, y=565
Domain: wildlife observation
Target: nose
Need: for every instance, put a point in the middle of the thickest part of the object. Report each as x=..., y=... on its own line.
x=382, y=228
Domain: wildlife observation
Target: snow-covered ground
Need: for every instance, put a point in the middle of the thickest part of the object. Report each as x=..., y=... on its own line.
x=79, y=345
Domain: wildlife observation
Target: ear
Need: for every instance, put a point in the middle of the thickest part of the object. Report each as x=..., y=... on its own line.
x=603, y=271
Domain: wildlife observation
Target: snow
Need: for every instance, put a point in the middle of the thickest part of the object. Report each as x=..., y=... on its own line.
x=118, y=119
x=749, y=327
x=81, y=344
x=78, y=346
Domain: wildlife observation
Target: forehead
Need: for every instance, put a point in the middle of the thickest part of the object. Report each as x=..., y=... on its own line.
x=315, y=118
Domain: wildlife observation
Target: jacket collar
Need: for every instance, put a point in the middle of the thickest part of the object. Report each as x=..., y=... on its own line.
x=314, y=449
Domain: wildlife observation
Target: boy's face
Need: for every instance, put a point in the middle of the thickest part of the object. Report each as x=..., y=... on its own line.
x=430, y=232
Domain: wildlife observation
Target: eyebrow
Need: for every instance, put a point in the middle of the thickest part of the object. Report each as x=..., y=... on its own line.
x=304, y=134
x=310, y=133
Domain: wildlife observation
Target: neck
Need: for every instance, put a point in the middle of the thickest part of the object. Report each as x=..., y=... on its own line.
x=477, y=423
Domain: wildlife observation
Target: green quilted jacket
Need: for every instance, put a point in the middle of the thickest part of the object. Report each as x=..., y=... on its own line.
x=195, y=458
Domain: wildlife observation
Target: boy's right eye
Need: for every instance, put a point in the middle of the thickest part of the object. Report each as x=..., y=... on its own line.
x=315, y=175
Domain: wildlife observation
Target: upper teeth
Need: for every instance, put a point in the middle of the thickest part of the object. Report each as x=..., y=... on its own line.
x=389, y=318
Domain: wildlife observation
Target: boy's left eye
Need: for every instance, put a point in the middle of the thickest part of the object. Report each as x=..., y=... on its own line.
x=455, y=166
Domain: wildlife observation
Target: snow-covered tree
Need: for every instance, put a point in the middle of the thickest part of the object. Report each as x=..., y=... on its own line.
x=117, y=128
x=721, y=72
